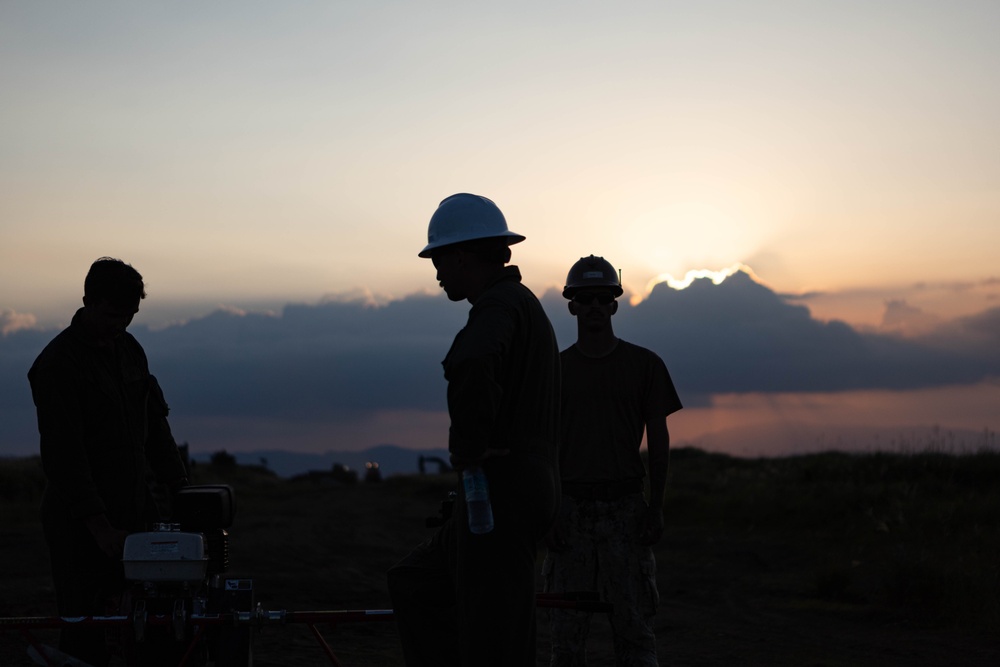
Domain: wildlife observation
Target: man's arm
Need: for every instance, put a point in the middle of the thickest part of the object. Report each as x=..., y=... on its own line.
x=473, y=369
x=161, y=448
x=658, y=444
x=64, y=458
x=109, y=539
x=62, y=443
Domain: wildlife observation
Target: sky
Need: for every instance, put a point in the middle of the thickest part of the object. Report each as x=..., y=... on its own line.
x=245, y=156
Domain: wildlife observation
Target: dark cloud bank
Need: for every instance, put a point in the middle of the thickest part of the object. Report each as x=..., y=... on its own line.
x=336, y=361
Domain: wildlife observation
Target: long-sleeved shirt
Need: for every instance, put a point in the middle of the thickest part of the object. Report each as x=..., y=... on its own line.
x=503, y=375
x=102, y=420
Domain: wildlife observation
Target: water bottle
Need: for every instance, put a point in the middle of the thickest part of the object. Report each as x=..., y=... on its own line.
x=477, y=500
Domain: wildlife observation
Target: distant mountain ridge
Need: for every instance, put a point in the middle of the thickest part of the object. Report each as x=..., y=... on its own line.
x=392, y=460
x=788, y=439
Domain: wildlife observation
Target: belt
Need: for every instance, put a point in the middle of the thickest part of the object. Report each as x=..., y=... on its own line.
x=602, y=490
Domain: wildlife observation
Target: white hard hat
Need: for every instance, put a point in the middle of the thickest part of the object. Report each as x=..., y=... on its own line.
x=465, y=217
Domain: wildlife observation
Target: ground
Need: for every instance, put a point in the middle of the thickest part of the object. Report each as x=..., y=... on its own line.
x=746, y=595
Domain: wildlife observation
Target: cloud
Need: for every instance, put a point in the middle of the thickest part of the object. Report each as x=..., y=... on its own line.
x=11, y=321
x=739, y=336
x=334, y=359
x=905, y=320
x=338, y=367
x=18, y=350
x=975, y=335
x=867, y=306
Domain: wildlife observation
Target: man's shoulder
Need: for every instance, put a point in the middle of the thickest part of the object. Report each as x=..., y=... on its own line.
x=512, y=296
x=130, y=342
x=508, y=287
x=60, y=350
x=639, y=357
x=570, y=354
x=626, y=347
x=67, y=351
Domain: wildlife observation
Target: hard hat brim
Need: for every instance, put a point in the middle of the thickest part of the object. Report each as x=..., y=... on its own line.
x=511, y=237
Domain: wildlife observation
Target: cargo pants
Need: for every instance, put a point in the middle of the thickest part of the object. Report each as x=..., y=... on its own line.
x=603, y=554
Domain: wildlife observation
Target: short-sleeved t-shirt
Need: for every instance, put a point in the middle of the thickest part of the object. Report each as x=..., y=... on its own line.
x=606, y=402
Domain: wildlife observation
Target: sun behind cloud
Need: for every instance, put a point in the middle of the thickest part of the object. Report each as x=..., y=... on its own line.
x=695, y=274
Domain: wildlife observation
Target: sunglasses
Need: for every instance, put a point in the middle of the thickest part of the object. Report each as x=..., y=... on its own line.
x=588, y=298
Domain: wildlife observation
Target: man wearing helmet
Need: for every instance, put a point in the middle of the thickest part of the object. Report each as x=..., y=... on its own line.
x=612, y=392
x=464, y=598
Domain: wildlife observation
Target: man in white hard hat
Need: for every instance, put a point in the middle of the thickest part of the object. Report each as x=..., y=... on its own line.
x=612, y=392
x=464, y=598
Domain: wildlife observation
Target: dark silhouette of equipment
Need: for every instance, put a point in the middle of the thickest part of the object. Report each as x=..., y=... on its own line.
x=178, y=571
x=443, y=466
x=185, y=611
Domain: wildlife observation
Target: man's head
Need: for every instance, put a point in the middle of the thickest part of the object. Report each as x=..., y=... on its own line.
x=115, y=281
x=468, y=241
x=111, y=295
x=592, y=287
x=463, y=268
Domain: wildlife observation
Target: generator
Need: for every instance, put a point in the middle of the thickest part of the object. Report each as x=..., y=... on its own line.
x=179, y=582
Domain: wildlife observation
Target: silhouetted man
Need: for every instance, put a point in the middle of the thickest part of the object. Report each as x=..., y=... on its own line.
x=464, y=598
x=612, y=392
x=103, y=424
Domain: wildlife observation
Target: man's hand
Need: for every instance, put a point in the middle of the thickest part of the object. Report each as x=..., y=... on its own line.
x=555, y=539
x=109, y=539
x=177, y=485
x=652, y=526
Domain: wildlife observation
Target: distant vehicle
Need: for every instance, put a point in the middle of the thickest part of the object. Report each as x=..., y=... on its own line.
x=443, y=466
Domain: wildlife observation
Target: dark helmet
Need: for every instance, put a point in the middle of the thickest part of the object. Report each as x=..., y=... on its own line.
x=592, y=271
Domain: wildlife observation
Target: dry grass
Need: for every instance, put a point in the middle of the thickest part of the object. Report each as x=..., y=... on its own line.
x=836, y=559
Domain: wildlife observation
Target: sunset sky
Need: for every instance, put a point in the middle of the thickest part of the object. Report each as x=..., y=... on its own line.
x=247, y=155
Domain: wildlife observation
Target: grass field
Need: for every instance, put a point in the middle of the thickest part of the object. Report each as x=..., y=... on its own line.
x=822, y=559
